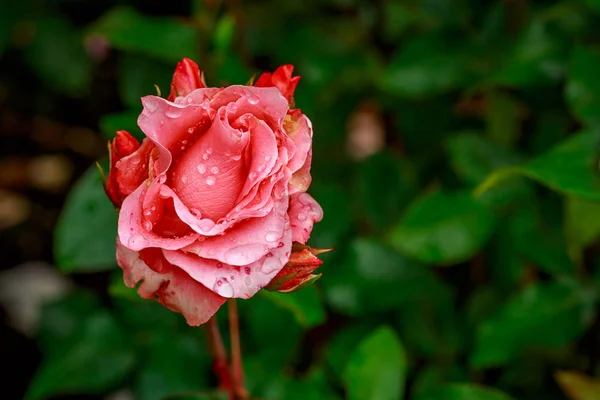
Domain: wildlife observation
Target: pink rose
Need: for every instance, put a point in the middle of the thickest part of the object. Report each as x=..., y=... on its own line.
x=215, y=195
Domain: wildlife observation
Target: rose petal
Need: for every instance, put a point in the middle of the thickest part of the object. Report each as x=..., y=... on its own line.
x=135, y=231
x=298, y=128
x=282, y=79
x=173, y=288
x=247, y=241
x=304, y=211
x=234, y=282
x=132, y=170
x=209, y=176
x=170, y=124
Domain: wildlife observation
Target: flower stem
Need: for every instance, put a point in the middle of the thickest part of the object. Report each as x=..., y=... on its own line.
x=237, y=369
x=219, y=355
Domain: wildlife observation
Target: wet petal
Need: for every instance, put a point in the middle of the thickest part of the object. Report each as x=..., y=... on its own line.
x=173, y=288
x=304, y=211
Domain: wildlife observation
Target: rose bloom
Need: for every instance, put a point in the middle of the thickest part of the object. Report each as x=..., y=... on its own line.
x=214, y=197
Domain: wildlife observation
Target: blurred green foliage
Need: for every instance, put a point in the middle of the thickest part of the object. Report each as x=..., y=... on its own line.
x=466, y=263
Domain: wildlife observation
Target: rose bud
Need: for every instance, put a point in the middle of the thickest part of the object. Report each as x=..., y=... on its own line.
x=298, y=272
x=187, y=78
x=281, y=79
x=215, y=194
x=122, y=146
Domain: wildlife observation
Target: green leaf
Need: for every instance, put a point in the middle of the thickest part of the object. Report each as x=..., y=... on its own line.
x=95, y=357
x=164, y=38
x=304, y=304
x=377, y=368
x=443, y=228
x=58, y=57
x=425, y=66
x=571, y=168
x=84, y=240
x=502, y=118
x=337, y=354
x=137, y=77
x=543, y=315
x=432, y=327
x=435, y=375
x=382, y=202
x=582, y=225
x=462, y=392
x=197, y=396
x=473, y=157
x=126, y=121
x=582, y=90
x=173, y=363
x=536, y=59
x=367, y=280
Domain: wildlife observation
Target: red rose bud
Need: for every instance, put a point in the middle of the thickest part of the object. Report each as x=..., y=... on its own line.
x=186, y=79
x=281, y=79
x=123, y=145
x=298, y=272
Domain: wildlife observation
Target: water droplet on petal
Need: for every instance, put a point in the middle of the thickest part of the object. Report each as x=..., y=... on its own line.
x=272, y=236
x=184, y=142
x=214, y=170
x=189, y=100
x=190, y=130
x=232, y=278
x=247, y=270
x=301, y=217
x=269, y=254
x=209, y=151
x=135, y=160
x=267, y=158
x=201, y=168
x=248, y=281
x=223, y=288
x=183, y=178
x=244, y=254
x=134, y=240
x=236, y=158
x=153, y=208
x=280, y=244
x=148, y=225
x=173, y=112
x=205, y=156
x=253, y=175
x=210, y=180
x=151, y=104
x=261, y=168
x=195, y=212
x=270, y=264
x=219, y=265
x=253, y=99
x=147, y=213
x=232, y=108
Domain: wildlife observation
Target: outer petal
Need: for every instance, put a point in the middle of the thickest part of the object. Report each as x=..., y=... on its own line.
x=122, y=146
x=187, y=78
x=304, y=211
x=281, y=79
x=173, y=288
x=132, y=170
x=247, y=241
x=229, y=281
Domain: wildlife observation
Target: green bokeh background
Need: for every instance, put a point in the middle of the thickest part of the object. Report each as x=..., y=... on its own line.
x=466, y=256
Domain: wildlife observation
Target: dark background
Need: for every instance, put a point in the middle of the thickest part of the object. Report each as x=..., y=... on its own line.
x=432, y=293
